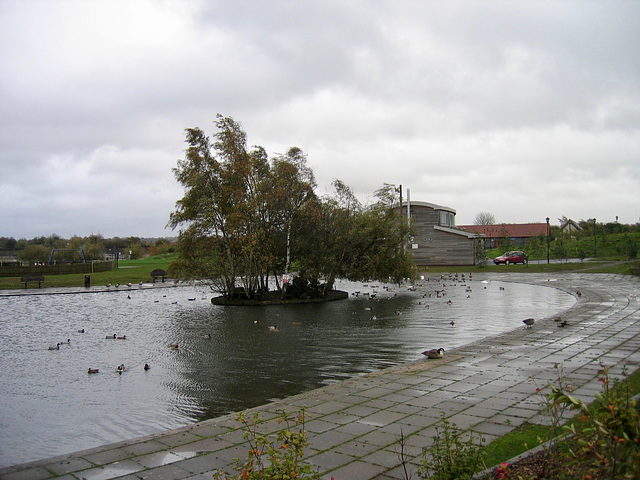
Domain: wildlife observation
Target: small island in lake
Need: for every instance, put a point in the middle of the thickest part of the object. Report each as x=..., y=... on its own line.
x=275, y=298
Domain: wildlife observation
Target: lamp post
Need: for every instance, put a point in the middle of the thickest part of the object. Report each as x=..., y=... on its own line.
x=595, y=237
x=399, y=191
x=547, y=240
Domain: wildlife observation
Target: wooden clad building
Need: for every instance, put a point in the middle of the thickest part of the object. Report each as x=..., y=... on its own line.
x=435, y=239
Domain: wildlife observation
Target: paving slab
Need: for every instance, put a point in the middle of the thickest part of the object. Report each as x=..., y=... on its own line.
x=354, y=427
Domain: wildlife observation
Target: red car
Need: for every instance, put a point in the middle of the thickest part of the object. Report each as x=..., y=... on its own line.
x=517, y=256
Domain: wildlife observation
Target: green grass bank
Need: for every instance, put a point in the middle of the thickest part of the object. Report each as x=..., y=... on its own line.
x=128, y=271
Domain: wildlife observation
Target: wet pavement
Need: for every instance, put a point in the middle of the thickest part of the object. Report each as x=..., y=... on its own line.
x=354, y=426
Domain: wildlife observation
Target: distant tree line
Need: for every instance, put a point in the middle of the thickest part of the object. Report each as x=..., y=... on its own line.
x=95, y=247
x=590, y=239
x=247, y=220
x=593, y=240
x=596, y=239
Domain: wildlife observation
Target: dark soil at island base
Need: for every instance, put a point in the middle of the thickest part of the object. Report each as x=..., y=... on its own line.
x=275, y=298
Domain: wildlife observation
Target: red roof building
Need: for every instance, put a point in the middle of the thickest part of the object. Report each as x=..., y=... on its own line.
x=517, y=233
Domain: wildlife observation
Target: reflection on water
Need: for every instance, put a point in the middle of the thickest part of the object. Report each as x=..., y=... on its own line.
x=227, y=358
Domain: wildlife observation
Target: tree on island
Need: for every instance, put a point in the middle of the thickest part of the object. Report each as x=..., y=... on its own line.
x=245, y=218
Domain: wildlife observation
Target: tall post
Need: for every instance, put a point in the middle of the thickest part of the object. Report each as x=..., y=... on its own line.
x=401, y=215
x=595, y=237
x=548, y=240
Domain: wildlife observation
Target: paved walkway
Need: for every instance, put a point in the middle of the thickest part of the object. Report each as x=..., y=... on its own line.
x=354, y=426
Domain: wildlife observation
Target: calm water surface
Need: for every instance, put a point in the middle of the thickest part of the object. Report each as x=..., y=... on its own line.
x=50, y=405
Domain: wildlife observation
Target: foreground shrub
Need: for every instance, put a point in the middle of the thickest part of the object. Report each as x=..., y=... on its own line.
x=276, y=457
x=602, y=442
x=606, y=438
x=450, y=457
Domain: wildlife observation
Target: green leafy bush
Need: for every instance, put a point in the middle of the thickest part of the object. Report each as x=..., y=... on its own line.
x=450, y=457
x=276, y=457
x=606, y=438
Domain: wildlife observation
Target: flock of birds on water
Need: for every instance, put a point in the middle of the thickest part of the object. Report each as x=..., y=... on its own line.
x=120, y=368
x=439, y=292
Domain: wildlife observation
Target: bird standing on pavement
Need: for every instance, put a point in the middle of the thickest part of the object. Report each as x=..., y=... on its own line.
x=529, y=322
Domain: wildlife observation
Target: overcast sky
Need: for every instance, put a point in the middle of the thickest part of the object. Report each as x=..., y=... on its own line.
x=524, y=109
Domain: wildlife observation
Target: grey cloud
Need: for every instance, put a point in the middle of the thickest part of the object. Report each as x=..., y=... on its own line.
x=438, y=96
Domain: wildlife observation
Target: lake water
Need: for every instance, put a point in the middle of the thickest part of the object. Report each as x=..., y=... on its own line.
x=50, y=405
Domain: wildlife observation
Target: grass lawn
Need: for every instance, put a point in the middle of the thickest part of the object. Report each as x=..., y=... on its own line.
x=133, y=271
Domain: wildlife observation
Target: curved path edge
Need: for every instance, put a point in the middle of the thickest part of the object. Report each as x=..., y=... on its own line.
x=354, y=426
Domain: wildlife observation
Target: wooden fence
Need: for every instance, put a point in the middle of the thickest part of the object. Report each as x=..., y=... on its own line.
x=14, y=271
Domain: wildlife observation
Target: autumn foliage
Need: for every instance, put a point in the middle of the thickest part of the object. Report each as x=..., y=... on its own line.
x=246, y=221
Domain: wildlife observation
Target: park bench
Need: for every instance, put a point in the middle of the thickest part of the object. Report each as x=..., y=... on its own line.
x=158, y=272
x=32, y=278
